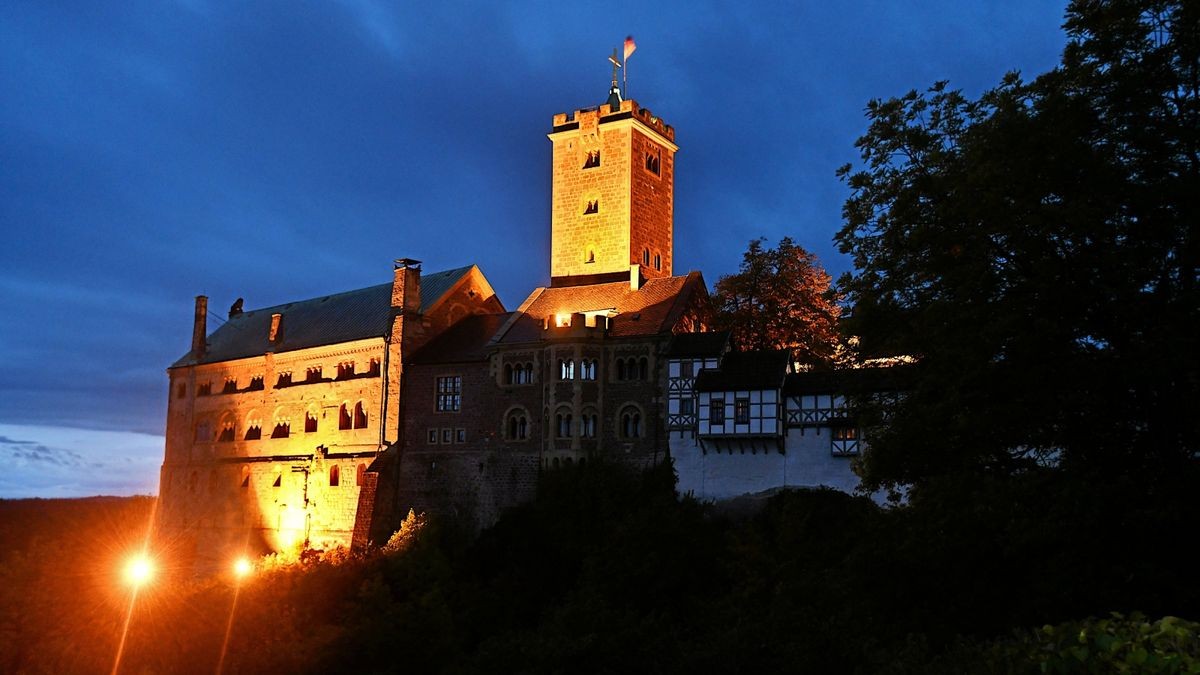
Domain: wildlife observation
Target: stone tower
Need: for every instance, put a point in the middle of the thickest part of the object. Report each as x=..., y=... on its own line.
x=613, y=193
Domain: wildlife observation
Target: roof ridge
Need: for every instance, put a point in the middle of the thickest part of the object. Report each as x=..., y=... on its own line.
x=353, y=290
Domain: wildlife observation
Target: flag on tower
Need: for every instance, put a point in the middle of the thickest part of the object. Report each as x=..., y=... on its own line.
x=629, y=46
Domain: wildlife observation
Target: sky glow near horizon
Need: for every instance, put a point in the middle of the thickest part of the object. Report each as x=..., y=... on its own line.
x=155, y=150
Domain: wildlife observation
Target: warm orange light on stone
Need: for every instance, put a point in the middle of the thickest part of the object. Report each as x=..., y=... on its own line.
x=242, y=567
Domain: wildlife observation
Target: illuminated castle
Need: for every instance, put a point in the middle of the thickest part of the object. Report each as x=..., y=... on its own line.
x=322, y=422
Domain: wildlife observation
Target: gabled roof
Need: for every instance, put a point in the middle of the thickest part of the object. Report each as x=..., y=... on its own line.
x=465, y=341
x=698, y=345
x=849, y=380
x=653, y=309
x=343, y=317
x=745, y=370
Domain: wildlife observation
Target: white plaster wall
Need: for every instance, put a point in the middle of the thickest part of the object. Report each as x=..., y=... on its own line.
x=806, y=462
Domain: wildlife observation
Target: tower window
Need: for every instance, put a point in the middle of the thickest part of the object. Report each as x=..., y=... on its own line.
x=335, y=476
x=593, y=206
x=593, y=159
x=631, y=423
x=282, y=429
x=360, y=416
x=657, y=261
x=646, y=257
x=653, y=160
x=310, y=422
x=564, y=425
x=517, y=426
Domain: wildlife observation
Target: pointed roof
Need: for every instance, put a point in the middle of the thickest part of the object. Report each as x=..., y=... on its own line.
x=331, y=319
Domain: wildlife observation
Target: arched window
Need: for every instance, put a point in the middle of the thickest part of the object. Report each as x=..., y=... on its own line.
x=657, y=261
x=359, y=474
x=310, y=422
x=587, y=424
x=516, y=425
x=631, y=422
x=360, y=416
x=589, y=256
x=283, y=429
x=226, y=435
x=646, y=257
x=253, y=427
x=563, y=424
x=335, y=475
x=566, y=369
x=587, y=369
x=621, y=374
x=643, y=368
x=528, y=373
x=344, y=421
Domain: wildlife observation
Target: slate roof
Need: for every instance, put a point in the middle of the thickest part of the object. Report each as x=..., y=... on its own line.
x=745, y=370
x=698, y=345
x=465, y=341
x=653, y=309
x=343, y=317
x=849, y=380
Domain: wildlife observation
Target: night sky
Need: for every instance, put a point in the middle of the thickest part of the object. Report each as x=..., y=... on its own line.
x=153, y=151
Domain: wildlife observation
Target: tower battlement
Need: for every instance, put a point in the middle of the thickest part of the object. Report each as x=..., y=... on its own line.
x=604, y=113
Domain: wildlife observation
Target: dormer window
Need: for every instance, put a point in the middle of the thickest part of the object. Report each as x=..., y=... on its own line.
x=593, y=206
x=593, y=159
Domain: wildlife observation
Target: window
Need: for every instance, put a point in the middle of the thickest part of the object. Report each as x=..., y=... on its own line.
x=716, y=411
x=587, y=425
x=335, y=476
x=313, y=374
x=204, y=389
x=631, y=422
x=643, y=368
x=360, y=416
x=373, y=369
x=621, y=372
x=447, y=436
x=654, y=162
x=589, y=256
x=230, y=386
x=433, y=437
x=282, y=429
x=360, y=474
x=460, y=435
x=566, y=369
x=687, y=369
x=246, y=480
x=344, y=420
x=449, y=393
x=687, y=406
x=587, y=369
x=508, y=374
x=256, y=383
x=592, y=160
x=741, y=411
x=254, y=431
x=593, y=206
x=517, y=426
x=646, y=257
x=845, y=434
x=278, y=480
x=204, y=431
x=657, y=261
x=285, y=380
x=844, y=441
x=563, y=421
x=226, y=435
x=310, y=422
x=345, y=371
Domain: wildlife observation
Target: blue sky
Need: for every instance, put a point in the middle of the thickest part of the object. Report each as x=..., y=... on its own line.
x=153, y=151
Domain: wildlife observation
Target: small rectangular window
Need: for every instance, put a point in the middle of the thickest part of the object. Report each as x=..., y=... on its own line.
x=687, y=406
x=716, y=411
x=433, y=437
x=460, y=435
x=741, y=411
x=447, y=436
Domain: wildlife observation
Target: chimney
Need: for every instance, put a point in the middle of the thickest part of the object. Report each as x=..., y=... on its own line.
x=406, y=285
x=276, y=335
x=200, y=326
x=635, y=277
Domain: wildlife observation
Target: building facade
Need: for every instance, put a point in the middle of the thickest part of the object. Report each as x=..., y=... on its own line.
x=322, y=422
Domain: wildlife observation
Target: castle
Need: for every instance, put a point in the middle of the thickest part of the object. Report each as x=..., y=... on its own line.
x=322, y=422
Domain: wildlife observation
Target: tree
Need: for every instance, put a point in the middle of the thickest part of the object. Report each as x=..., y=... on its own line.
x=1037, y=250
x=779, y=299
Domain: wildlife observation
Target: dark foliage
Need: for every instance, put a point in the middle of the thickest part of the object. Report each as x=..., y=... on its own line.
x=1037, y=249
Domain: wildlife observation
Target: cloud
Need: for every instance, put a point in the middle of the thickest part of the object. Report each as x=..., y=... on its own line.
x=67, y=462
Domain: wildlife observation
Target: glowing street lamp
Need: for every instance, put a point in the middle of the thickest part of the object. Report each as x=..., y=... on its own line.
x=242, y=568
x=139, y=570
